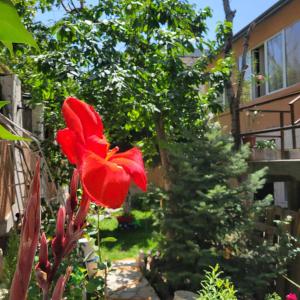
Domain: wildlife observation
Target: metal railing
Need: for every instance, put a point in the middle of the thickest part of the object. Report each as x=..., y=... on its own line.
x=295, y=123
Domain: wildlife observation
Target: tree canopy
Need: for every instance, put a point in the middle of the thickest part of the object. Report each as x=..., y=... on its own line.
x=124, y=57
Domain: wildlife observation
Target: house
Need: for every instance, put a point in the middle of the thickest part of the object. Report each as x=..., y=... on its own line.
x=270, y=110
x=270, y=105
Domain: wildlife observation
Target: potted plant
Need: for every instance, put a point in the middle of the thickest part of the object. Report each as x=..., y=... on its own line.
x=266, y=150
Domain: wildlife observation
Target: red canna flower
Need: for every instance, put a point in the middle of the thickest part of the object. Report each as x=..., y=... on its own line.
x=105, y=175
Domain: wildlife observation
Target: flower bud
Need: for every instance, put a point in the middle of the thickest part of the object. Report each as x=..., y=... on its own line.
x=60, y=285
x=82, y=212
x=58, y=241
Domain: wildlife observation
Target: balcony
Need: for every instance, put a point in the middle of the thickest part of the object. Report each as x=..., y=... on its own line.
x=277, y=119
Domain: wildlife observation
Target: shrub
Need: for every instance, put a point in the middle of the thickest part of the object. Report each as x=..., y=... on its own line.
x=215, y=287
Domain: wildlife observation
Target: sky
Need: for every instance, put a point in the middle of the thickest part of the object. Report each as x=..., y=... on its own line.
x=246, y=11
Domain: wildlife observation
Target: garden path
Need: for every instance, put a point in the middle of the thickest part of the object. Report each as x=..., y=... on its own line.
x=126, y=282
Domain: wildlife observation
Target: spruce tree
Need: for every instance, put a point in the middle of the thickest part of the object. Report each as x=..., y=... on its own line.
x=210, y=217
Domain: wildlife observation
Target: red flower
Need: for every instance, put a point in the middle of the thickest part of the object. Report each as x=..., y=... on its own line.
x=105, y=175
x=291, y=296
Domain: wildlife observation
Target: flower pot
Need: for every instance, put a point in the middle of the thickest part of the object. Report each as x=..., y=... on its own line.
x=265, y=154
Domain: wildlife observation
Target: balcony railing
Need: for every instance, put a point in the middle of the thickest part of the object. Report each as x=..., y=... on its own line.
x=281, y=113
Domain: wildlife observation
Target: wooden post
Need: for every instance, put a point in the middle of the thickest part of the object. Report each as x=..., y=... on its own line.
x=293, y=123
x=11, y=91
x=282, y=134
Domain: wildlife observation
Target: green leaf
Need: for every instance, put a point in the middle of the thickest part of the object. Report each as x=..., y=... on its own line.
x=3, y=103
x=6, y=135
x=94, y=284
x=109, y=239
x=11, y=28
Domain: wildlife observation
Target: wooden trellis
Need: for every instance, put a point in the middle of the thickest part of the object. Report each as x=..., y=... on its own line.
x=17, y=164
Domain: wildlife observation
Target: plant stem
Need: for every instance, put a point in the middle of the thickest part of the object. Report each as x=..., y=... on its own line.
x=99, y=251
x=45, y=294
x=98, y=236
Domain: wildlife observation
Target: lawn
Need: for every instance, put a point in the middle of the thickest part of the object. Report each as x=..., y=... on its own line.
x=130, y=241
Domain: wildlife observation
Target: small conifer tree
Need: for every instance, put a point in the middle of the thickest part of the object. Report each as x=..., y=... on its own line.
x=209, y=217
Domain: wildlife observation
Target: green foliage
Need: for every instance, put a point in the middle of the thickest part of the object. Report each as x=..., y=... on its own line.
x=125, y=58
x=273, y=296
x=131, y=241
x=149, y=200
x=266, y=144
x=210, y=217
x=12, y=30
x=108, y=223
x=216, y=288
x=10, y=258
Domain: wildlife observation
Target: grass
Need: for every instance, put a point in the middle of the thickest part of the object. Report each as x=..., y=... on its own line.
x=131, y=241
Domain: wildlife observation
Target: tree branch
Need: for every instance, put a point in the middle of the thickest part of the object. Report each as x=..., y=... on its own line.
x=229, y=13
x=64, y=7
x=244, y=65
x=74, y=7
x=229, y=16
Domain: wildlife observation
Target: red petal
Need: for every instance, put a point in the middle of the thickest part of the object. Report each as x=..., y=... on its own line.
x=82, y=118
x=97, y=145
x=73, y=121
x=132, y=162
x=106, y=183
x=67, y=140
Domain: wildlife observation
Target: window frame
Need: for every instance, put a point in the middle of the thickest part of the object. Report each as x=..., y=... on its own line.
x=266, y=67
x=282, y=33
x=285, y=58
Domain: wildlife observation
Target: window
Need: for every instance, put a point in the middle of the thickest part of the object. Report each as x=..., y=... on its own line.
x=292, y=49
x=258, y=67
x=275, y=63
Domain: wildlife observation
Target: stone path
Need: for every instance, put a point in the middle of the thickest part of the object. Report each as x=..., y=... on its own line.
x=126, y=282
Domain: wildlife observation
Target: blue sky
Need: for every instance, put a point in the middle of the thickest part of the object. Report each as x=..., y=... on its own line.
x=247, y=10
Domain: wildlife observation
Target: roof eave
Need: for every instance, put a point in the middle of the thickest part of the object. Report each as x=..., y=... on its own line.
x=273, y=9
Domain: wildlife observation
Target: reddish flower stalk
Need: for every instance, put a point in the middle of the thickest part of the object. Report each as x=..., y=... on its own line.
x=28, y=240
x=72, y=200
x=68, y=232
x=43, y=267
x=58, y=241
x=60, y=285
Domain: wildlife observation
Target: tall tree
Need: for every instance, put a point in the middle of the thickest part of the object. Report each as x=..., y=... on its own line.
x=234, y=96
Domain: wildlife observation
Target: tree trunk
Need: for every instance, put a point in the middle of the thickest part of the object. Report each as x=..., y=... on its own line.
x=233, y=97
x=162, y=141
